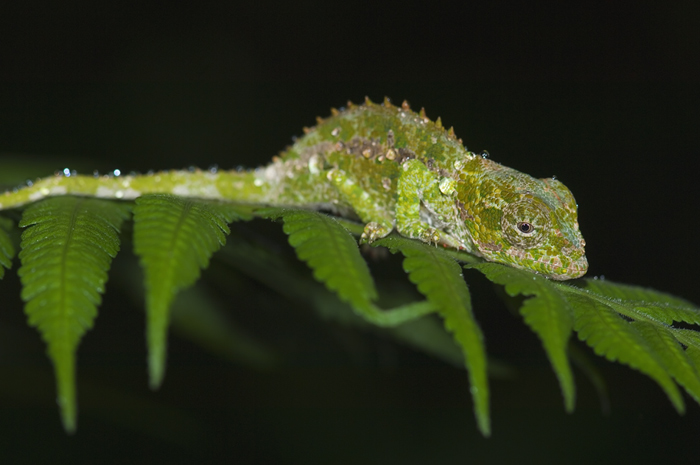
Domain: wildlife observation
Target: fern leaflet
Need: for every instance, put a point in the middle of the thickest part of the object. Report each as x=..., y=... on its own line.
x=333, y=255
x=611, y=336
x=174, y=238
x=688, y=337
x=67, y=250
x=439, y=278
x=547, y=312
x=672, y=355
x=638, y=302
x=7, y=250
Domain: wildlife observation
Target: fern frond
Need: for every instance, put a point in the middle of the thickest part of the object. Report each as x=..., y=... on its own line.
x=333, y=255
x=7, y=249
x=693, y=354
x=653, y=304
x=672, y=355
x=652, y=312
x=547, y=312
x=67, y=250
x=688, y=337
x=174, y=238
x=439, y=278
x=616, y=339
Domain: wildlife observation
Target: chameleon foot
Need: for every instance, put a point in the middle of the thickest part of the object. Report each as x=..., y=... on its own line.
x=430, y=235
x=372, y=232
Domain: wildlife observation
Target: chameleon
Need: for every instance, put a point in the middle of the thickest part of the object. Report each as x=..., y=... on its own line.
x=390, y=167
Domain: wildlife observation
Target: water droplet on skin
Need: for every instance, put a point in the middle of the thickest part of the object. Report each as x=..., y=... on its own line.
x=447, y=186
x=117, y=173
x=315, y=164
x=485, y=154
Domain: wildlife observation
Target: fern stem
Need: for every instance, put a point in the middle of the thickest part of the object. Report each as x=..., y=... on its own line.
x=398, y=315
x=625, y=310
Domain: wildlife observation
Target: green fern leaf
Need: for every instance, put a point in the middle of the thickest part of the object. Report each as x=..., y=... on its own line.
x=548, y=314
x=672, y=355
x=653, y=304
x=610, y=335
x=174, y=238
x=66, y=252
x=691, y=339
x=688, y=337
x=693, y=354
x=652, y=312
x=7, y=250
x=331, y=252
x=439, y=278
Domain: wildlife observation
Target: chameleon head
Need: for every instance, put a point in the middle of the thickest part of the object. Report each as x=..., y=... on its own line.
x=527, y=223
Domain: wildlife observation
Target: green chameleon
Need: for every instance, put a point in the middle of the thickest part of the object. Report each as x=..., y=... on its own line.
x=393, y=169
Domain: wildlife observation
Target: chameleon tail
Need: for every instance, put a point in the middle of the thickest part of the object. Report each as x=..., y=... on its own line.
x=238, y=186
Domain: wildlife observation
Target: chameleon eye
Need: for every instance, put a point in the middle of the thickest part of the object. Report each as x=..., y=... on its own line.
x=524, y=222
x=525, y=228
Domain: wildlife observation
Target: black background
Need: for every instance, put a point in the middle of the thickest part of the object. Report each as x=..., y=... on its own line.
x=603, y=96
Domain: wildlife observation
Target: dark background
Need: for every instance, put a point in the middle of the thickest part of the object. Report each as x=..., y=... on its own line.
x=603, y=96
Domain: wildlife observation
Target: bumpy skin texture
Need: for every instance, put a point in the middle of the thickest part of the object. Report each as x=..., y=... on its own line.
x=393, y=169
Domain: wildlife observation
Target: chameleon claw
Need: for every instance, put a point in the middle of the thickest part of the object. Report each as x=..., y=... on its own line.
x=373, y=231
x=431, y=236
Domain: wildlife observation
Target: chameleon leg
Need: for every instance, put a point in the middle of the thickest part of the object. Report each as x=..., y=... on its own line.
x=421, y=208
x=379, y=222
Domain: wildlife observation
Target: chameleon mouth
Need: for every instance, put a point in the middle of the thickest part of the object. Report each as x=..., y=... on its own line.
x=576, y=269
